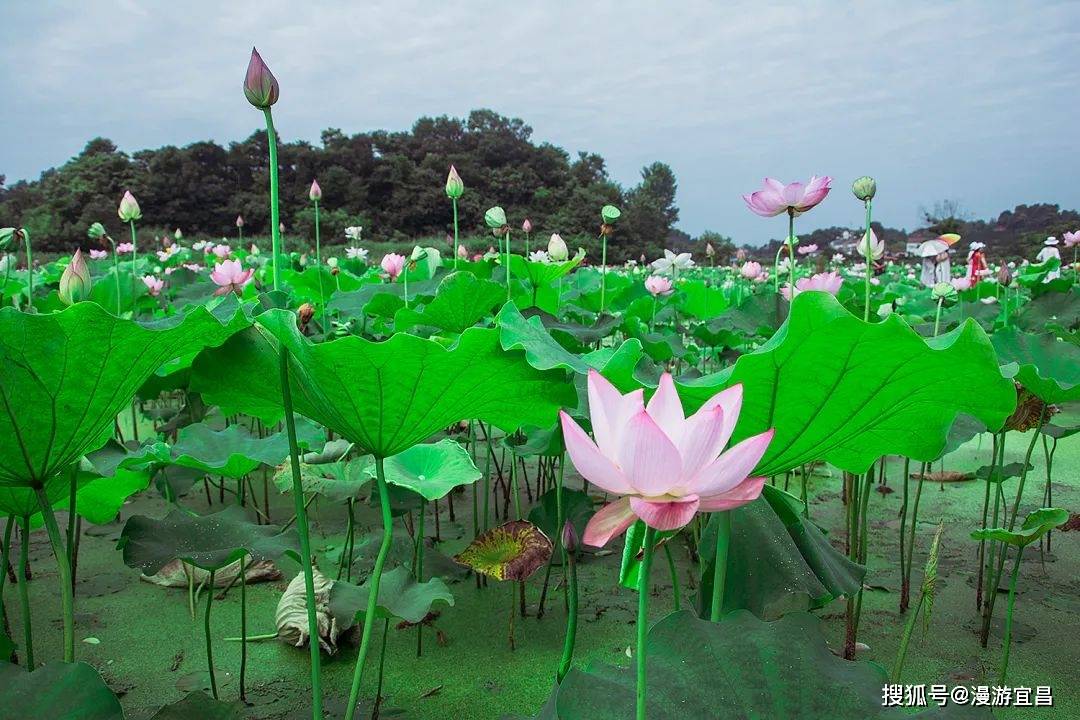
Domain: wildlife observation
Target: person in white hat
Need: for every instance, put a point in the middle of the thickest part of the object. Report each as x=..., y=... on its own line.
x=977, y=268
x=1050, y=251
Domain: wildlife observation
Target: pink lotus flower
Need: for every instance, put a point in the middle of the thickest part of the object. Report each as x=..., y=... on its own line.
x=193, y=267
x=750, y=270
x=153, y=284
x=125, y=247
x=666, y=466
x=463, y=252
x=961, y=284
x=1071, y=238
x=231, y=276
x=392, y=264
x=807, y=249
x=164, y=255
x=221, y=251
x=829, y=282
x=658, y=285
x=775, y=197
x=98, y=254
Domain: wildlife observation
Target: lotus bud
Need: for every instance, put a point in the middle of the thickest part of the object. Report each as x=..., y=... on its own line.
x=609, y=214
x=178, y=235
x=864, y=188
x=709, y=249
x=526, y=226
x=260, y=85
x=455, y=188
x=129, y=208
x=740, y=254
x=281, y=228
x=239, y=221
x=569, y=537
x=96, y=231
x=557, y=250
x=315, y=193
x=1004, y=276
x=304, y=314
x=495, y=218
x=75, y=282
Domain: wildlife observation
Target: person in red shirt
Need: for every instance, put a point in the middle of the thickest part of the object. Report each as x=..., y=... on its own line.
x=977, y=268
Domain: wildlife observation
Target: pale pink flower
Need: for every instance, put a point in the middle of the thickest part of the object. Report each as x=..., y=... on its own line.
x=153, y=284
x=98, y=254
x=775, y=197
x=392, y=264
x=463, y=252
x=750, y=270
x=658, y=285
x=125, y=247
x=961, y=284
x=829, y=282
x=193, y=267
x=164, y=255
x=807, y=249
x=222, y=251
x=230, y=276
x=1071, y=238
x=665, y=465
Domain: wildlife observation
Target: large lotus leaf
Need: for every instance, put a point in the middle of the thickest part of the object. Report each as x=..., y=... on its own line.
x=207, y=541
x=56, y=691
x=1051, y=310
x=400, y=596
x=701, y=299
x=1049, y=368
x=741, y=667
x=540, y=274
x=305, y=285
x=757, y=315
x=580, y=335
x=461, y=301
x=99, y=499
x=201, y=706
x=65, y=376
x=22, y=501
x=336, y=481
x=964, y=429
x=661, y=347
x=431, y=470
x=1038, y=523
x=847, y=392
x=1034, y=274
x=387, y=396
x=357, y=303
x=778, y=561
x=234, y=452
x=511, y=551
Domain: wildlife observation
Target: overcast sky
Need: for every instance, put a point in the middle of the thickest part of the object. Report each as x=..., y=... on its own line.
x=976, y=101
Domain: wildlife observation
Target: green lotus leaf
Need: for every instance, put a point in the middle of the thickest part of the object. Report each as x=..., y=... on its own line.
x=56, y=691
x=336, y=481
x=964, y=429
x=432, y=470
x=305, y=284
x=540, y=274
x=1003, y=473
x=1036, y=524
x=701, y=299
x=207, y=541
x=741, y=667
x=1048, y=367
x=400, y=596
x=1050, y=311
x=661, y=347
x=511, y=551
x=580, y=335
x=847, y=392
x=200, y=705
x=461, y=301
x=65, y=376
x=234, y=452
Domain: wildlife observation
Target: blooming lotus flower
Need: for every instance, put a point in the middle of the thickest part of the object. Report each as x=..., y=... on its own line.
x=557, y=249
x=672, y=262
x=153, y=285
x=201, y=245
x=129, y=208
x=332, y=262
x=356, y=253
x=193, y=267
x=750, y=270
x=807, y=249
x=315, y=193
x=877, y=247
x=1071, y=238
x=455, y=188
x=775, y=197
x=98, y=254
x=125, y=247
x=392, y=264
x=961, y=284
x=260, y=86
x=540, y=256
x=829, y=282
x=164, y=255
x=838, y=258
x=463, y=252
x=658, y=285
x=353, y=233
x=665, y=466
x=222, y=251
x=230, y=276
x=75, y=281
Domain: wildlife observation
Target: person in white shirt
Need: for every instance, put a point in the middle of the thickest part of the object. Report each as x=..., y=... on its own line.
x=1049, y=251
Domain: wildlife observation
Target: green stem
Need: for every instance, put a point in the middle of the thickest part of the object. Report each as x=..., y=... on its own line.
x=318, y=260
x=206, y=634
x=869, y=265
x=898, y=666
x=1009, y=615
x=116, y=273
x=674, y=577
x=571, y=620
x=29, y=268
x=643, y=618
x=420, y=570
x=134, y=259
x=24, y=591
x=937, y=316
x=453, y=202
x=243, y=628
x=64, y=572
x=5, y=559
x=791, y=250
x=723, y=542
x=301, y=527
x=508, y=264
x=373, y=586
x=603, y=271
x=275, y=217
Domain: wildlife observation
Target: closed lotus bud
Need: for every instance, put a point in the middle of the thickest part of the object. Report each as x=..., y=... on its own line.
x=96, y=231
x=609, y=214
x=335, y=270
x=239, y=221
x=315, y=193
x=129, y=208
x=864, y=188
x=1004, y=276
x=709, y=249
x=495, y=218
x=740, y=254
x=569, y=537
x=75, y=282
x=281, y=228
x=455, y=188
x=557, y=249
x=304, y=314
x=526, y=226
x=260, y=85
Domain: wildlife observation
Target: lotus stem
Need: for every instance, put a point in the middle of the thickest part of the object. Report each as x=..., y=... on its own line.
x=5, y=558
x=507, y=240
x=64, y=572
x=571, y=619
x=453, y=203
x=419, y=570
x=603, y=271
x=382, y=668
x=275, y=217
x=723, y=542
x=134, y=259
x=643, y=618
x=909, y=626
x=24, y=594
x=318, y=260
x=1009, y=614
x=301, y=516
x=869, y=265
x=206, y=634
x=29, y=268
x=674, y=577
x=998, y=447
x=791, y=249
x=937, y=316
x=373, y=586
x=243, y=627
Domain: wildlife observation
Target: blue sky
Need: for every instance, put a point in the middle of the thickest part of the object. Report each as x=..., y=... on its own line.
x=976, y=101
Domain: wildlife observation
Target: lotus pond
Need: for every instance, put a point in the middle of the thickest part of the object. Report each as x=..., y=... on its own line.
x=527, y=483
